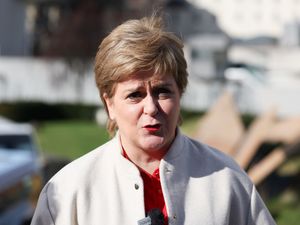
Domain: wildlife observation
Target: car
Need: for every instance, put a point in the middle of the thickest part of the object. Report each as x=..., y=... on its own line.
x=20, y=172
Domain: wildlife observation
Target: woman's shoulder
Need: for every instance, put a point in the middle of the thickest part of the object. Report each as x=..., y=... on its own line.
x=211, y=158
x=85, y=167
x=208, y=163
x=203, y=150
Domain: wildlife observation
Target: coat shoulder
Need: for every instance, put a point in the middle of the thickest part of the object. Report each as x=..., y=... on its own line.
x=211, y=160
x=202, y=151
x=85, y=168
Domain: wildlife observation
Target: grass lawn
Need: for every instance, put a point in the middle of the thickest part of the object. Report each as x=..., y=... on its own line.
x=70, y=139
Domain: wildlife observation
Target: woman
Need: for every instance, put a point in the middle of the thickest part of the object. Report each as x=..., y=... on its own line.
x=149, y=173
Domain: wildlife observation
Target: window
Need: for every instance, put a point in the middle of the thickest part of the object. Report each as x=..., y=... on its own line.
x=18, y=142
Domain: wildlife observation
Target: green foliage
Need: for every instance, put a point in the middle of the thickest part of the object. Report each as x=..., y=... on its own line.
x=188, y=114
x=247, y=119
x=70, y=139
x=289, y=216
x=37, y=111
x=286, y=207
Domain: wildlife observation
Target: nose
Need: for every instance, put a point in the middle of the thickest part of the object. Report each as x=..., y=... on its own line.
x=150, y=106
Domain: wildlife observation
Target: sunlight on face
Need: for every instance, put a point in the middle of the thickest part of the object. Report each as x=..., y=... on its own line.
x=146, y=109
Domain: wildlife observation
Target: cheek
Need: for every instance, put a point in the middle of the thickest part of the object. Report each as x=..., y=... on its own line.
x=171, y=107
x=171, y=110
x=129, y=113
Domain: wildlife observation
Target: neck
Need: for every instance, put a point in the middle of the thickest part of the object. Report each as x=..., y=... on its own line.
x=147, y=160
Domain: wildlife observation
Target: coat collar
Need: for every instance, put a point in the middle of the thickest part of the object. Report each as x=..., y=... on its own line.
x=131, y=170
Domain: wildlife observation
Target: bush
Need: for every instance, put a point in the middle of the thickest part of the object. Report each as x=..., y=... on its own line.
x=37, y=111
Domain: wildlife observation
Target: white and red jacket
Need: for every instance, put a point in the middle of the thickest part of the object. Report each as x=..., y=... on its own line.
x=201, y=186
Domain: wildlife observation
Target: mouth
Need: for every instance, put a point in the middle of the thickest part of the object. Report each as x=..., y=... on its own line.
x=152, y=128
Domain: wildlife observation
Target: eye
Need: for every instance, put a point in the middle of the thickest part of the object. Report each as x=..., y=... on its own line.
x=135, y=95
x=162, y=93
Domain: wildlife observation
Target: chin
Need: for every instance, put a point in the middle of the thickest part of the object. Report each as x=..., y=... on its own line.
x=154, y=144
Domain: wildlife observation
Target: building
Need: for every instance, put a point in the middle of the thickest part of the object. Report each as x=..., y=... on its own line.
x=16, y=28
x=50, y=81
x=206, y=44
x=250, y=18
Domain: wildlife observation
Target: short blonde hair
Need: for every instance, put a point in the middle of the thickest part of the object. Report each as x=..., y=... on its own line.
x=138, y=45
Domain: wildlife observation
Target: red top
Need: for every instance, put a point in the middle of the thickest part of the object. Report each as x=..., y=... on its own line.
x=153, y=195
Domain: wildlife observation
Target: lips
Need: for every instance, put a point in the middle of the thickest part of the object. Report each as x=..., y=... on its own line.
x=152, y=128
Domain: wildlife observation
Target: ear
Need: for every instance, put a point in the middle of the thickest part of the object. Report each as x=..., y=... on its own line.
x=109, y=105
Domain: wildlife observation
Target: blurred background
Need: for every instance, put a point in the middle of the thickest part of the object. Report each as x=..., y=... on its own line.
x=243, y=93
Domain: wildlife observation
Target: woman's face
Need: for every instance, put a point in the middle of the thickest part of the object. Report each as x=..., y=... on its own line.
x=146, y=109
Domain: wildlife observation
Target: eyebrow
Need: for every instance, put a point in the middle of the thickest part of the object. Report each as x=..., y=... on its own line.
x=161, y=84
x=153, y=86
x=135, y=88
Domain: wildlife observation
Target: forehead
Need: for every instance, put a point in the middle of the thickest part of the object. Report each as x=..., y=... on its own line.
x=148, y=78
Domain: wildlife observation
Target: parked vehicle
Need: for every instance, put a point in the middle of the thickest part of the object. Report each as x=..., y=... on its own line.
x=20, y=173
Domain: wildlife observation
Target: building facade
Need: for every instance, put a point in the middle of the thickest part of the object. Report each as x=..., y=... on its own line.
x=250, y=18
x=15, y=28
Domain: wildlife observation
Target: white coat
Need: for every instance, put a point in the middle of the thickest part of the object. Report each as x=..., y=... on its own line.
x=201, y=186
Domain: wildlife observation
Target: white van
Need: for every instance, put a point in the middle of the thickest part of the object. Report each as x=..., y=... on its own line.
x=20, y=173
